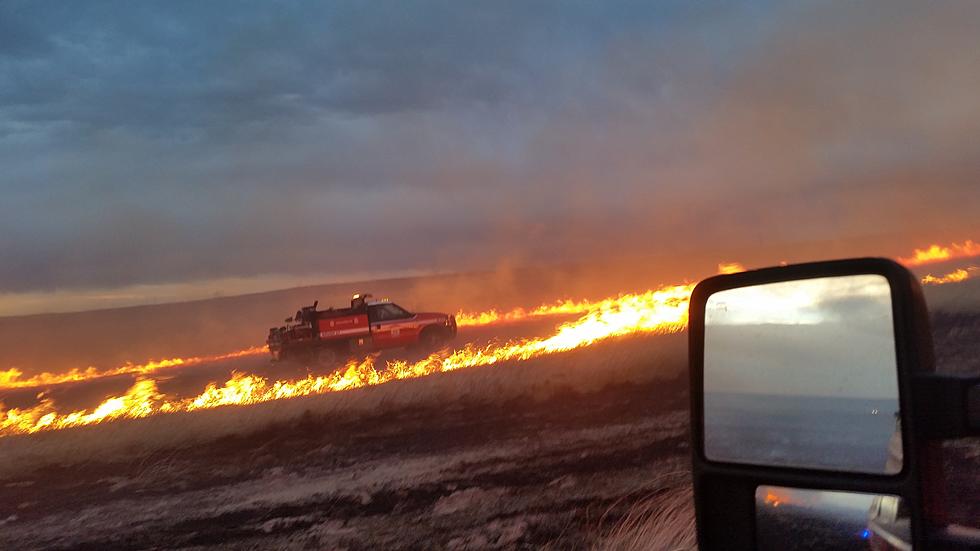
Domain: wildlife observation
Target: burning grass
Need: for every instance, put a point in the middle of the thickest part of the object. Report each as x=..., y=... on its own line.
x=956, y=276
x=617, y=361
x=941, y=253
x=663, y=310
x=14, y=378
x=659, y=311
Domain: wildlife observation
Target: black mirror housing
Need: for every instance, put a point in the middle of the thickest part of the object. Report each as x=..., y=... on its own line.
x=725, y=492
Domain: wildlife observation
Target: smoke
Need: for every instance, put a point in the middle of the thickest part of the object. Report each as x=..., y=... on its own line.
x=357, y=139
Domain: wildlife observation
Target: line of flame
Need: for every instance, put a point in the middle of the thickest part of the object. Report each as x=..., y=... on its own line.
x=558, y=308
x=14, y=377
x=730, y=268
x=955, y=276
x=940, y=253
x=565, y=307
x=664, y=310
x=660, y=311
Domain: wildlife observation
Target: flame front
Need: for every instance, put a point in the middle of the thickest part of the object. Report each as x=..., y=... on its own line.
x=730, y=268
x=955, y=276
x=567, y=307
x=661, y=311
x=559, y=308
x=941, y=253
x=12, y=378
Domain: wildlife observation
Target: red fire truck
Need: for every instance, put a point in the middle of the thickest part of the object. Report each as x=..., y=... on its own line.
x=328, y=336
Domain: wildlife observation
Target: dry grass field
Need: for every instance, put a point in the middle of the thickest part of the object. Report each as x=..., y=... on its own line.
x=552, y=451
x=579, y=450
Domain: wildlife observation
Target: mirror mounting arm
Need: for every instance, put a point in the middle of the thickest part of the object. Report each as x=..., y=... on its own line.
x=947, y=406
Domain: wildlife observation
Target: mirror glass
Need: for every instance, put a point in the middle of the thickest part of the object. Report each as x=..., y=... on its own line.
x=803, y=373
x=792, y=518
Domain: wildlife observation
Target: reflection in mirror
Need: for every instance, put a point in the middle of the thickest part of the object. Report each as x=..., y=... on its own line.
x=803, y=374
x=792, y=518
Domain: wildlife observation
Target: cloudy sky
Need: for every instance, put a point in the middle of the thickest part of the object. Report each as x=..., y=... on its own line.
x=189, y=143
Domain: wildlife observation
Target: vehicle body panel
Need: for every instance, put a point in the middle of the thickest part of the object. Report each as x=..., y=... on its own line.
x=365, y=326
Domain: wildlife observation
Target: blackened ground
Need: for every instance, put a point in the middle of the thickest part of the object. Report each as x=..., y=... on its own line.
x=519, y=473
x=956, y=341
x=504, y=473
x=789, y=527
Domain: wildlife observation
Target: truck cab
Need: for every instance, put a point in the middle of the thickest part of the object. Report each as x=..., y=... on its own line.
x=393, y=326
x=327, y=336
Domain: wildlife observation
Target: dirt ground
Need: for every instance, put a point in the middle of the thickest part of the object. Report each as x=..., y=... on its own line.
x=520, y=473
x=511, y=470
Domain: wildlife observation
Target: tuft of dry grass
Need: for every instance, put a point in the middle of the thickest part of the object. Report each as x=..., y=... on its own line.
x=663, y=521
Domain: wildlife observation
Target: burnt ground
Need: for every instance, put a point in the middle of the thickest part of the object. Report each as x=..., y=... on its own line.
x=521, y=473
x=474, y=473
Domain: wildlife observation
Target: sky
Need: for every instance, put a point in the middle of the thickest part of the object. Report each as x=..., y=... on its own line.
x=183, y=147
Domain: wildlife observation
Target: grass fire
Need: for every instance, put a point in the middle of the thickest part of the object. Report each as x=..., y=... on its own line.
x=662, y=310
x=331, y=275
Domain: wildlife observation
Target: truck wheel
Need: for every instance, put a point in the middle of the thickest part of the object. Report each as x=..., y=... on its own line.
x=432, y=339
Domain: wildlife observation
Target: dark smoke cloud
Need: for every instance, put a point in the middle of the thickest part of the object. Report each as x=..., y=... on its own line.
x=183, y=141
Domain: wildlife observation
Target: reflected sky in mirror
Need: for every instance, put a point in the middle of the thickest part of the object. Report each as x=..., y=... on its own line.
x=802, y=373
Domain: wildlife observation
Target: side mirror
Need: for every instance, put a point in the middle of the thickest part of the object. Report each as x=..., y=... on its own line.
x=814, y=384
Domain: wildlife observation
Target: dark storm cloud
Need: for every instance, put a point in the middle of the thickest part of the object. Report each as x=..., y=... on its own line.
x=168, y=142
x=18, y=38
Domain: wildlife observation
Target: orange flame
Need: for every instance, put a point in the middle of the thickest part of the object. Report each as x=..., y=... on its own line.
x=939, y=253
x=730, y=268
x=566, y=307
x=12, y=378
x=661, y=311
x=775, y=499
x=955, y=276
